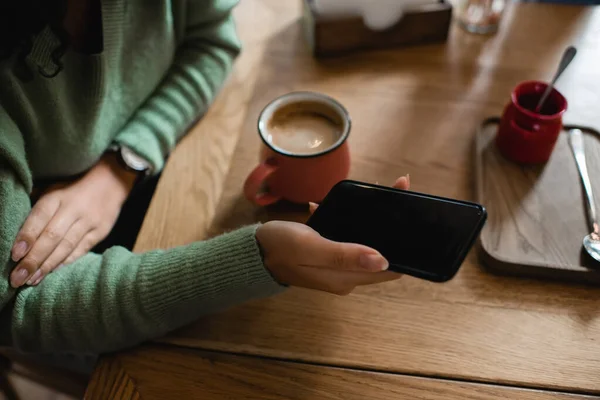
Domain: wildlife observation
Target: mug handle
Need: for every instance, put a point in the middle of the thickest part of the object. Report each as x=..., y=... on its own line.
x=254, y=182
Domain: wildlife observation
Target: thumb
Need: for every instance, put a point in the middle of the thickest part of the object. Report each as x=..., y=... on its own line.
x=403, y=182
x=325, y=253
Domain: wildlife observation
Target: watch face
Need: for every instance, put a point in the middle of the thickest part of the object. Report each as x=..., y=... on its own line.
x=134, y=161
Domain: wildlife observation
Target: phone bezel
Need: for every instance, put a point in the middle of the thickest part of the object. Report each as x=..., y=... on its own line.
x=427, y=275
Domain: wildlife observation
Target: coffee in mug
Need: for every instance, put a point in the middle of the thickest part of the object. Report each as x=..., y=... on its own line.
x=305, y=152
x=306, y=127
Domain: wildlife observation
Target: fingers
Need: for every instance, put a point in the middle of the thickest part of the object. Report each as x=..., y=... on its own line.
x=85, y=245
x=347, y=282
x=297, y=255
x=403, y=182
x=312, y=207
x=341, y=256
x=65, y=248
x=32, y=228
x=51, y=236
x=341, y=282
x=380, y=277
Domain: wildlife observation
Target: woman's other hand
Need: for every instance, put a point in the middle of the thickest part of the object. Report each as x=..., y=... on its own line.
x=70, y=219
x=297, y=255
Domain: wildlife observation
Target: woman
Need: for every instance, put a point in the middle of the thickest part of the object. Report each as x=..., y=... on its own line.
x=101, y=91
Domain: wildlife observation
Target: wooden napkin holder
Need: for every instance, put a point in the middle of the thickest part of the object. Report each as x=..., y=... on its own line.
x=329, y=37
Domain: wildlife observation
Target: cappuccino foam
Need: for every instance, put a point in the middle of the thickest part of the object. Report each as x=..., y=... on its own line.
x=304, y=128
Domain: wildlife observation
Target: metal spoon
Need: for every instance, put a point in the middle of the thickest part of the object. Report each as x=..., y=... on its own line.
x=566, y=59
x=591, y=243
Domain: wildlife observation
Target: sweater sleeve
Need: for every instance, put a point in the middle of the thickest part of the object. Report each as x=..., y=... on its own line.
x=108, y=302
x=202, y=62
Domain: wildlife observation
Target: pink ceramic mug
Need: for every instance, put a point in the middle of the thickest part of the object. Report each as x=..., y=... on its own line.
x=299, y=176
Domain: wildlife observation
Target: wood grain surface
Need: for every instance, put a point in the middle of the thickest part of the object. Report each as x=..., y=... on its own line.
x=414, y=111
x=536, y=213
x=213, y=376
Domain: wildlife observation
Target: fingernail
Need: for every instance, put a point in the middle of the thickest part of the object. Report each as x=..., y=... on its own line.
x=373, y=262
x=19, y=251
x=38, y=281
x=19, y=277
x=312, y=206
x=34, y=277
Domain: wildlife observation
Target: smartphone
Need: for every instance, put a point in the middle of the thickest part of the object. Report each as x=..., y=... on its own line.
x=420, y=235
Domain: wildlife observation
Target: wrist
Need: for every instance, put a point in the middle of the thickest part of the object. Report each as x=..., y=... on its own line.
x=267, y=259
x=261, y=250
x=110, y=167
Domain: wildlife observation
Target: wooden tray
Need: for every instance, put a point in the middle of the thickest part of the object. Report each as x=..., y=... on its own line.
x=537, y=217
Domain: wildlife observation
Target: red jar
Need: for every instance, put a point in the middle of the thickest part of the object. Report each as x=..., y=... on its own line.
x=526, y=136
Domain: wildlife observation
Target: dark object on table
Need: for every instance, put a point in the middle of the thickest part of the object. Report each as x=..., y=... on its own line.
x=421, y=235
x=327, y=37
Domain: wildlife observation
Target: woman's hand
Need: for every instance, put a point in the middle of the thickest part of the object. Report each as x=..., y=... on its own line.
x=297, y=255
x=69, y=220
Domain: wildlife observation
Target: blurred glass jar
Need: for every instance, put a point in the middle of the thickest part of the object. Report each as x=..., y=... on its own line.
x=479, y=16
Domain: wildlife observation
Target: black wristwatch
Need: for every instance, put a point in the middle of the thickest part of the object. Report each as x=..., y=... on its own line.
x=130, y=160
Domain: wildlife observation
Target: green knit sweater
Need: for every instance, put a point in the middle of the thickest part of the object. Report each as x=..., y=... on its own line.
x=161, y=65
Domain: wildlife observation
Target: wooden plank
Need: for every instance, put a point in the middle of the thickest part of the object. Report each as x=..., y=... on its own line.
x=112, y=380
x=212, y=376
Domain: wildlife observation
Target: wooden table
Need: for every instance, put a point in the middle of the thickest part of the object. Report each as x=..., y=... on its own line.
x=414, y=111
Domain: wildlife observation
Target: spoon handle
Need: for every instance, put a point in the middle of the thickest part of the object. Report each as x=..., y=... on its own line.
x=577, y=147
x=566, y=59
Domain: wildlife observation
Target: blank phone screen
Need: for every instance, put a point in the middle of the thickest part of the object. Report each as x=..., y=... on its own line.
x=420, y=235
